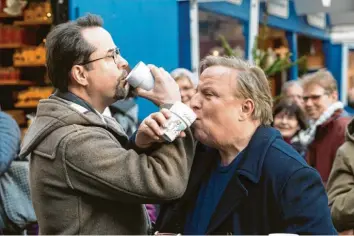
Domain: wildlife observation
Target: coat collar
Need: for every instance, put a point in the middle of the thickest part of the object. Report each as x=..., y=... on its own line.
x=251, y=163
x=255, y=152
x=338, y=113
x=250, y=166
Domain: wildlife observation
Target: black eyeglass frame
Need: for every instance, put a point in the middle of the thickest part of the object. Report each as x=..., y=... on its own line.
x=115, y=56
x=314, y=97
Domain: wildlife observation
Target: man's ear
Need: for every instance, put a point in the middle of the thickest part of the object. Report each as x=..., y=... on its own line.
x=334, y=95
x=247, y=109
x=79, y=75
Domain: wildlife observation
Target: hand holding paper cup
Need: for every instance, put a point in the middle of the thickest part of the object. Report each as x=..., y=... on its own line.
x=182, y=118
x=154, y=84
x=140, y=76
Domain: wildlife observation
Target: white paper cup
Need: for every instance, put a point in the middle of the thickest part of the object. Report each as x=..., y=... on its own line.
x=182, y=117
x=141, y=77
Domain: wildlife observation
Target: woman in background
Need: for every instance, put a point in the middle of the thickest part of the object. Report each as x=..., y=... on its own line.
x=187, y=83
x=289, y=119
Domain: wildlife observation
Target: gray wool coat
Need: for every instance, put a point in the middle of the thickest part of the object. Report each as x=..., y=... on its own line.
x=85, y=179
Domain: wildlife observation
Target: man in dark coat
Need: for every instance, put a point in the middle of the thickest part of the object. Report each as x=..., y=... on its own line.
x=245, y=179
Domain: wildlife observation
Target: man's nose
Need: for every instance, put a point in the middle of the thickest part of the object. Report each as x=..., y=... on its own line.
x=308, y=102
x=283, y=120
x=195, y=102
x=122, y=63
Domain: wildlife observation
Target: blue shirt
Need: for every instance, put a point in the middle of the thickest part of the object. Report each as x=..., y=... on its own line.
x=209, y=196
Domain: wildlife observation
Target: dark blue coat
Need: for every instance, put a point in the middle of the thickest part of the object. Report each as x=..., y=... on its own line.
x=273, y=190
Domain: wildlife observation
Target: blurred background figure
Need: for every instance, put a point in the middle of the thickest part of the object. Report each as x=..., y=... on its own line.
x=350, y=107
x=10, y=137
x=125, y=112
x=293, y=90
x=289, y=119
x=10, y=140
x=187, y=83
x=327, y=123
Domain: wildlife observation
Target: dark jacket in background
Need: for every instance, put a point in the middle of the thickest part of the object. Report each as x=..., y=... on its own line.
x=10, y=139
x=125, y=112
x=273, y=190
x=328, y=138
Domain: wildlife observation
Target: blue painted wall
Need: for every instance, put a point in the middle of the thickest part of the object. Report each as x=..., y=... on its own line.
x=291, y=37
x=334, y=54
x=145, y=30
x=184, y=29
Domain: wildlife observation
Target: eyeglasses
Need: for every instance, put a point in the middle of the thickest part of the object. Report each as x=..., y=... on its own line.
x=313, y=97
x=114, y=53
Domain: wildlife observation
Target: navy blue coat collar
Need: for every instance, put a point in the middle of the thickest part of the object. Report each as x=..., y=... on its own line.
x=253, y=156
x=250, y=167
x=250, y=164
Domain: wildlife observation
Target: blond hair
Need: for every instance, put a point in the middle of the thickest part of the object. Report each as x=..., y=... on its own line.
x=251, y=83
x=322, y=78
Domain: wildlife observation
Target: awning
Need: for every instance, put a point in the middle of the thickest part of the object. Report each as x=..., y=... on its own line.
x=340, y=16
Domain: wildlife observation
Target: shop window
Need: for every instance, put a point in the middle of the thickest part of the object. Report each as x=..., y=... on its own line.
x=23, y=76
x=313, y=50
x=211, y=26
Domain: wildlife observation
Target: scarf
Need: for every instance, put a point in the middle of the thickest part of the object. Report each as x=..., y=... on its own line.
x=305, y=137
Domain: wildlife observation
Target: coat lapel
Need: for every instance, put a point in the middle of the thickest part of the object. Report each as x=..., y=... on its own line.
x=250, y=167
x=201, y=166
x=233, y=195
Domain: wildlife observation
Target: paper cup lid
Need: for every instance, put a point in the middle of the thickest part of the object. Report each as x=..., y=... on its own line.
x=184, y=112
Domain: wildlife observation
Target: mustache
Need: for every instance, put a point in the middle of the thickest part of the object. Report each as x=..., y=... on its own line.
x=122, y=79
x=123, y=75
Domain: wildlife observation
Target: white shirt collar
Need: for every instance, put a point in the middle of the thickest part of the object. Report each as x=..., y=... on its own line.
x=82, y=109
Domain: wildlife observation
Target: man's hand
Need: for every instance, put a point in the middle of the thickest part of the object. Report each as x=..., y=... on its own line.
x=165, y=91
x=150, y=130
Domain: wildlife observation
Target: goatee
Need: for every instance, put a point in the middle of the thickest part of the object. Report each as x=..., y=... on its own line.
x=122, y=87
x=121, y=92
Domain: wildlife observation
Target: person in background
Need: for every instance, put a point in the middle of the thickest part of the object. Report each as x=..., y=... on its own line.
x=327, y=121
x=340, y=184
x=293, y=91
x=187, y=83
x=246, y=180
x=350, y=107
x=10, y=140
x=289, y=119
x=125, y=112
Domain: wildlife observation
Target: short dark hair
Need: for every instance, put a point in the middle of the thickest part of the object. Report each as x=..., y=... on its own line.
x=66, y=47
x=291, y=109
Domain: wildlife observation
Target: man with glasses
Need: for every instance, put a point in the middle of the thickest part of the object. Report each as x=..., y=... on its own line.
x=327, y=121
x=86, y=177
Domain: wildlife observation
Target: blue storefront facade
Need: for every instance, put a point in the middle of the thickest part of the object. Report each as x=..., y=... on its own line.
x=159, y=32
